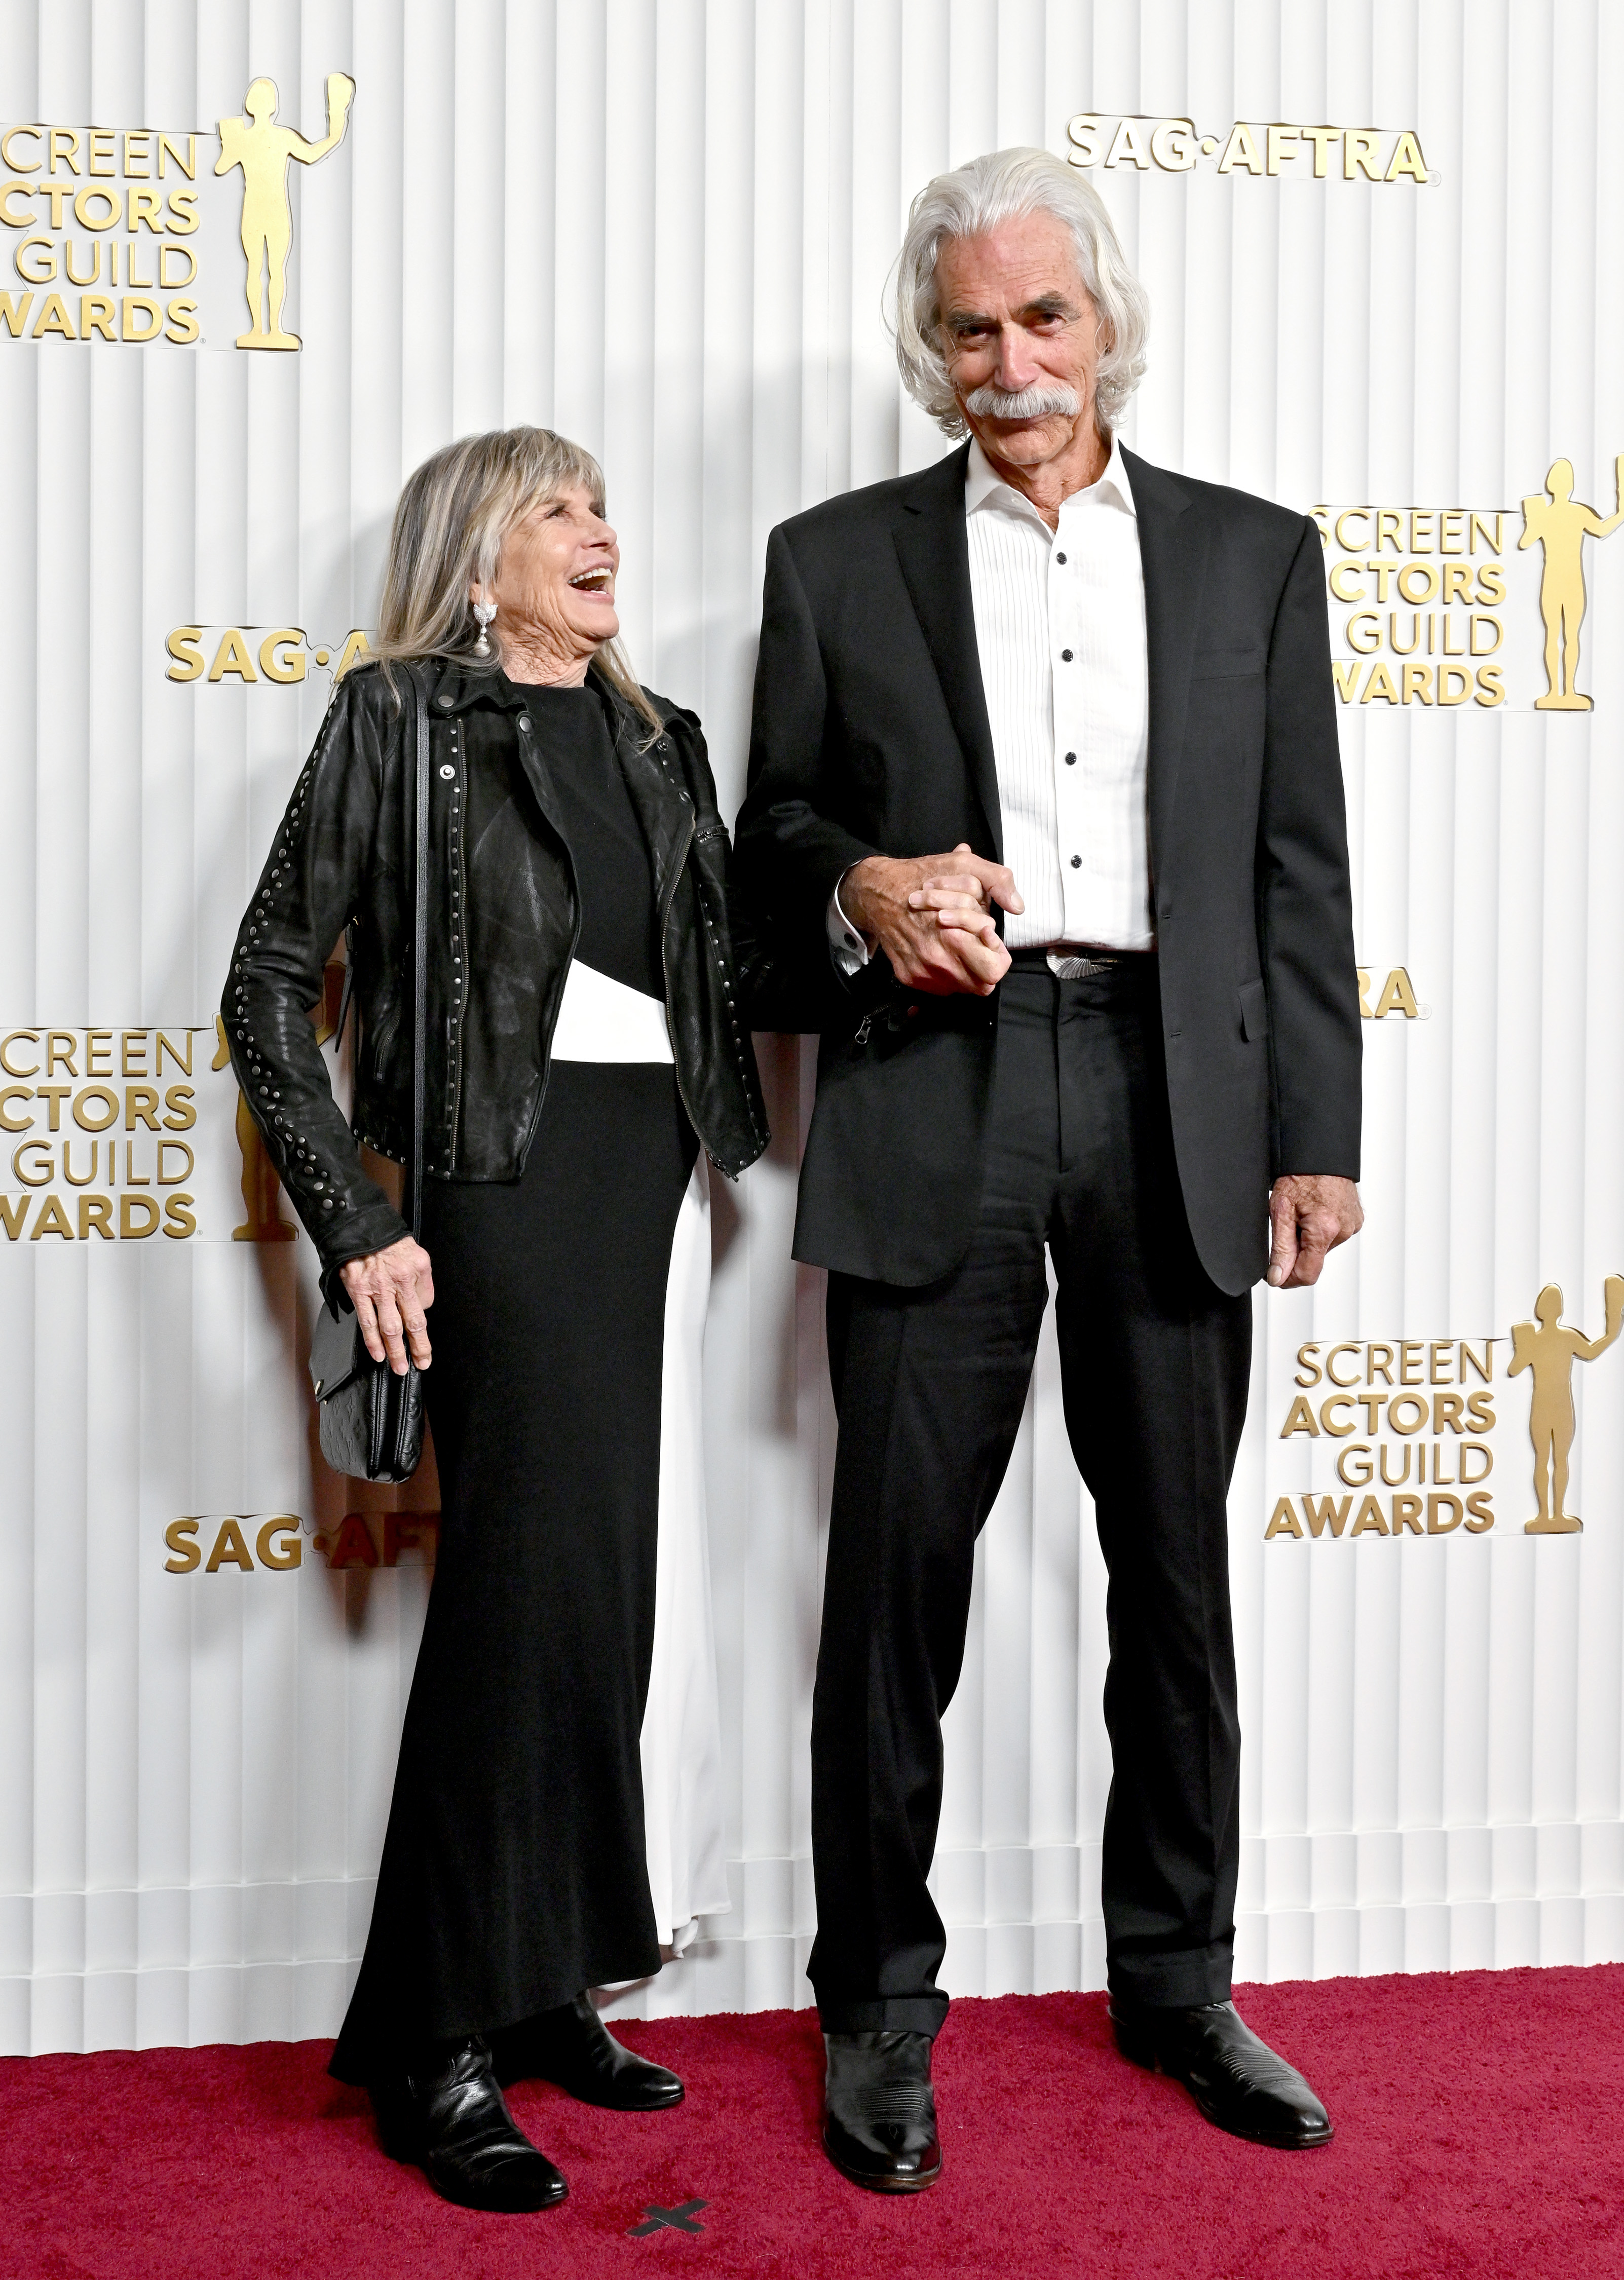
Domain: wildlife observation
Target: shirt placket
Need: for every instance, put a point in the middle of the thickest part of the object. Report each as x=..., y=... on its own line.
x=1069, y=724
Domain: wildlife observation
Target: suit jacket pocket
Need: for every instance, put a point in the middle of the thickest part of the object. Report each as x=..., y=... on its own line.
x=1226, y=664
x=1254, y=1011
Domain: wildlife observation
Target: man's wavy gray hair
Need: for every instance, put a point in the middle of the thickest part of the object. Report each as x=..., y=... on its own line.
x=976, y=198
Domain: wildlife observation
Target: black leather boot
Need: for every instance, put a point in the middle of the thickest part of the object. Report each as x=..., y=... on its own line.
x=572, y=2047
x=446, y=2112
x=880, y=2127
x=1236, y=2079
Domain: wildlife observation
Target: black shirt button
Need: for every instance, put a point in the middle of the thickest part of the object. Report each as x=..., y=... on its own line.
x=445, y=704
x=1071, y=759
x=1076, y=862
x=524, y=719
x=1066, y=656
x=1059, y=557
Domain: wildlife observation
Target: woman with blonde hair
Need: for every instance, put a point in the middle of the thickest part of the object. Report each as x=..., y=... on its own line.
x=587, y=1048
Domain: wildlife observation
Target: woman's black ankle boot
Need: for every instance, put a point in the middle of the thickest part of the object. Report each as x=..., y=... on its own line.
x=446, y=2112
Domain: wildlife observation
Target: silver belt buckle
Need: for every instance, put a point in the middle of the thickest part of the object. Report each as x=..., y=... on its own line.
x=1070, y=968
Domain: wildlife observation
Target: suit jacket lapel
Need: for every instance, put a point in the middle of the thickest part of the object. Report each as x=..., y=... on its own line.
x=1172, y=547
x=935, y=556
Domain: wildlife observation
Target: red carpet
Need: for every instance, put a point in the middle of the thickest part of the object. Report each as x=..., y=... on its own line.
x=1478, y=2119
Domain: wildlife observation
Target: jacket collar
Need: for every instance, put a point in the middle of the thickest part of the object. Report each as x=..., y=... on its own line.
x=935, y=556
x=1173, y=552
x=459, y=686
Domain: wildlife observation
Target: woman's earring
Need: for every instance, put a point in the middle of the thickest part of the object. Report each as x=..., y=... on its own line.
x=484, y=612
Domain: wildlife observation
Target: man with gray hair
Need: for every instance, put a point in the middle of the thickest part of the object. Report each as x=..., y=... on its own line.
x=1115, y=1017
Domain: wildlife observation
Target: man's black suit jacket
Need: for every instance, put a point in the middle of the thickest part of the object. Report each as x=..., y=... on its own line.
x=871, y=736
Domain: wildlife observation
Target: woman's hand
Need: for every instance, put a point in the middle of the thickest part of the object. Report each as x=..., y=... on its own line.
x=391, y=1291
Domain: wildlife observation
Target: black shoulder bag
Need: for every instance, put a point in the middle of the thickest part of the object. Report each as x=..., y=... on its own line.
x=371, y=1420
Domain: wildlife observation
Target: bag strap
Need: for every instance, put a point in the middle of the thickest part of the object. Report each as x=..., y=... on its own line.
x=420, y=956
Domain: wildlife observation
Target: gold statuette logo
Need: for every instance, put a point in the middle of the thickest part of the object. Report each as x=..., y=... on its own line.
x=264, y=151
x=1549, y=1349
x=1556, y=520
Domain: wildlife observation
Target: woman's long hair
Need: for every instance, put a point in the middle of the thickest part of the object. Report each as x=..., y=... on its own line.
x=453, y=515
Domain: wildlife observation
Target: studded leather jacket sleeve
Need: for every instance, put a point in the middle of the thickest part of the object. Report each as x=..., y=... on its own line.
x=315, y=879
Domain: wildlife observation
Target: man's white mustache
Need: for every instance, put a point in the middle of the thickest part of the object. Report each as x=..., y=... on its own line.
x=994, y=403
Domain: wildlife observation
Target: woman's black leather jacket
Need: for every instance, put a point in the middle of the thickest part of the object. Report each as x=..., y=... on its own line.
x=343, y=861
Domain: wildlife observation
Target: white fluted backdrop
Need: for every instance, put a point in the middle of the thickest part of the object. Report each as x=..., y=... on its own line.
x=664, y=226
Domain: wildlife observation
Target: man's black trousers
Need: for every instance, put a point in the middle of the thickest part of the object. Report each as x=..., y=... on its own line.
x=929, y=1385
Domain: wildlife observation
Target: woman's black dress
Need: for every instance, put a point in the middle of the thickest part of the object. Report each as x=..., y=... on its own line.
x=513, y=1872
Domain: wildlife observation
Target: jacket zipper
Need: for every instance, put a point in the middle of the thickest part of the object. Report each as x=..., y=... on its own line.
x=460, y=787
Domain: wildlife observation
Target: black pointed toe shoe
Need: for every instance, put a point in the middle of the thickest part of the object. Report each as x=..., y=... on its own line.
x=1234, y=2078
x=447, y=2113
x=880, y=2127
x=572, y=2047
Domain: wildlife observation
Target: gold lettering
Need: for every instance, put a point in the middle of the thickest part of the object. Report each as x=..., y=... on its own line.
x=1407, y=159
x=230, y=1549
x=183, y=647
x=1241, y=150
x=1282, y=1522
x=182, y=1061
x=177, y=1219
x=1127, y=144
x=128, y=1206
x=88, y=197
x=53, y=317
x=1380, y=686
x=19, y=165
x=65, y=145
x=142, y=304
x=272, y=664
x=52, y=1221
x=181, y=1537
x=33, y=1173
x=97, y=314
x=1299, y=1419
x=187, y=161
x=173, y=1179
x=1360, y=155
x=232, y=656
x=95, y=1092
x=1484, y=1369
x=96, y=1213
x=1305, y=1362
x=1082, y=133
x=278, y=1542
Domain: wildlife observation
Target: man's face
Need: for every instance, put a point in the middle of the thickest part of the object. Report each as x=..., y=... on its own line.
x=1016, y=317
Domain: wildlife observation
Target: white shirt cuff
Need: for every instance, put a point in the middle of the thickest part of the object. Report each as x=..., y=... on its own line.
x=847, y=946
